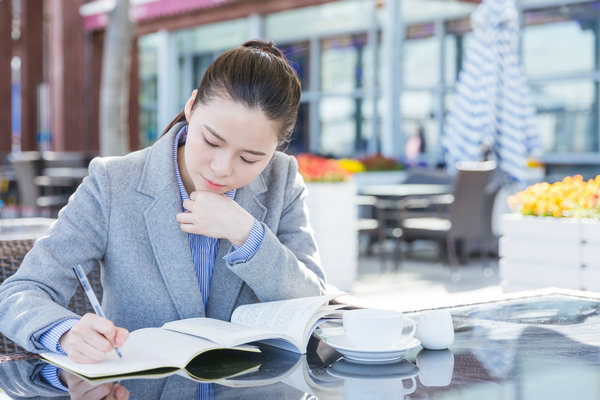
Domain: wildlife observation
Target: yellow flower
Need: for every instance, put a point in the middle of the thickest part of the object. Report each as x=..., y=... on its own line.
x=570, y=197
x=351, y=165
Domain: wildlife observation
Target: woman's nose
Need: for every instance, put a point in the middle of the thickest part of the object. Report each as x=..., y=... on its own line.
x=221, y=165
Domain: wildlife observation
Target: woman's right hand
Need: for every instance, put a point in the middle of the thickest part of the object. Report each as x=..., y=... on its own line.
x=82, y=390
x=91, y=338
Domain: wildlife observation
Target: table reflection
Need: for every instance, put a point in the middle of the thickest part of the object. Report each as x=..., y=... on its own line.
x=537, y=347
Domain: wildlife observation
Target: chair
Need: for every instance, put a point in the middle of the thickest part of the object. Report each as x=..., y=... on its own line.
x=45, y=192
x=468, y=215
x=66, y=159
x=16, y=239
x=375, y=225
x=427, y=175
x=27, y=165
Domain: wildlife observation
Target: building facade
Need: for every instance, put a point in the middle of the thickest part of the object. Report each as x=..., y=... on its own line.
x=373, y=72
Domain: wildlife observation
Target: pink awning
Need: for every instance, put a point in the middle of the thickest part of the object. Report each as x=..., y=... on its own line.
x=147, y=10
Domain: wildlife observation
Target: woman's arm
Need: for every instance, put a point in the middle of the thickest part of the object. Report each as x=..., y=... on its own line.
x=287, y=263
x=35, y=298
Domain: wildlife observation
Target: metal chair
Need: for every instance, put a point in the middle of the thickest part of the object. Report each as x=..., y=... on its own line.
x=428, y=175
x=377, y=229
x=40, y=190
x=467, y=217
x=17, y=236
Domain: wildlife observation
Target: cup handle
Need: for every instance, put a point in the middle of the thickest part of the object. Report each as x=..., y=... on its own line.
x=414, y=327
x=412, y=387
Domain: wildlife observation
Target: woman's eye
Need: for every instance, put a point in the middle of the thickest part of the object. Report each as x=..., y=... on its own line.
x=247, y=161
x=210, y=144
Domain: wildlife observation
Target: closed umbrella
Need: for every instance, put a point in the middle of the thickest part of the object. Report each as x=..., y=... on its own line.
x=492, y=116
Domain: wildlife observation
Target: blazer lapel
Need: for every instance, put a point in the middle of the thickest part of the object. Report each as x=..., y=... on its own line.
x=225, y=285
x=170, y=245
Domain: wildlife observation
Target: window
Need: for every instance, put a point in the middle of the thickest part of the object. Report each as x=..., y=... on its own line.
x=566, y=116
x=559, y=41
x=148, y=96
x=421, y=57
x=298, y=54
x=344, y=61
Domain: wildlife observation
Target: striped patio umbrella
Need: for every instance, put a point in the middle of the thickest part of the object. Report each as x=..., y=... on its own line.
x=492, y=116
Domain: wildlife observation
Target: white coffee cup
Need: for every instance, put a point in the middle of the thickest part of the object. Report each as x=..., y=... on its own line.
x=436, y=367
x=372, y=329
x=435, y=329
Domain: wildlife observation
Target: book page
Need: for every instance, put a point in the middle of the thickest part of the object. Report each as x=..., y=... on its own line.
x=145, y=349
x=290, y=317
x=223, y=332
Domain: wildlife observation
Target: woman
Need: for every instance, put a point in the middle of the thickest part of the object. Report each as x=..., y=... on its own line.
x=241, y=236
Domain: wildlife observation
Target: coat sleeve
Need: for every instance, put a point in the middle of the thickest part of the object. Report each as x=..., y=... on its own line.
x=35, y=298
x=286, y=264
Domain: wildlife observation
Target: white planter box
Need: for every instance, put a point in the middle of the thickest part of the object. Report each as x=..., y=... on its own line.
x=333, y=215
x=544, y=251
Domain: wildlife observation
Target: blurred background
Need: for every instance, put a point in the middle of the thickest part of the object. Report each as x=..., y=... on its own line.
x=374, y=72
x=80, y=78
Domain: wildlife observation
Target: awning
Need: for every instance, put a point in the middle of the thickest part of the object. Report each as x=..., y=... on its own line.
x=95, y=13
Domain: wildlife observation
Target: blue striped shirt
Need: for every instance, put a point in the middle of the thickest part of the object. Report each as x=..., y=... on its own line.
x=204, y=248
x=204, y=251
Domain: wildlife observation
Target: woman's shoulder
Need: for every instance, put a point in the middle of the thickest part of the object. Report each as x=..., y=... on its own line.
x=282, y=166
x=116, y=166
x=281, y=159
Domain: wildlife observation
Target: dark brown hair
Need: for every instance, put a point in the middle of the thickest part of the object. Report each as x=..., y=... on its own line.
x=258, y=75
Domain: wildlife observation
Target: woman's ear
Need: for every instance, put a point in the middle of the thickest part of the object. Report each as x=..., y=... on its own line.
x=188, y=105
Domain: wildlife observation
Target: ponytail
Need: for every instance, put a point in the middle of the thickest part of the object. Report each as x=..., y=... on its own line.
x=179, y=118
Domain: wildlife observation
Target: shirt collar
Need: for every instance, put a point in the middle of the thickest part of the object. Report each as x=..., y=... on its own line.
x=180, y=141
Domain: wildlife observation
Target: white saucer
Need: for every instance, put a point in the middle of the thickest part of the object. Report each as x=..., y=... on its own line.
x=383, y=356
x=346, y=369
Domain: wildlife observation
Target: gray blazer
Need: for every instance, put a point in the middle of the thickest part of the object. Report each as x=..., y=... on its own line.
x=123, y=214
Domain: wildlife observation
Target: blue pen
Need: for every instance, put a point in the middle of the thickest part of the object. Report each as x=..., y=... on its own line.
x=87, y=288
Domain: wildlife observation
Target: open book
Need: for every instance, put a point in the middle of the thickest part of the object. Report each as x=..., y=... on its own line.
x=177, y=345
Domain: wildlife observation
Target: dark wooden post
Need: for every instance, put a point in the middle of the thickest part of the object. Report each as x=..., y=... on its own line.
x=5, y=78
x=134, y=103
x=32, y=56
x=67, y=76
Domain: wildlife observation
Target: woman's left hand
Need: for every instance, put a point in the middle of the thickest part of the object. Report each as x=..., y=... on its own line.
x=216, y=215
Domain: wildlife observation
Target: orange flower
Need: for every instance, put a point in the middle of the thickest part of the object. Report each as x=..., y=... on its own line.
x=319, y=169
x=571, y=197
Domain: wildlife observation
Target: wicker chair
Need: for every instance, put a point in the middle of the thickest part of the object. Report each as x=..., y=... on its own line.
x=16, y=239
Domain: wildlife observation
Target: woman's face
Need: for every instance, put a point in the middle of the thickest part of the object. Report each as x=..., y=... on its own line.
x=227, y=145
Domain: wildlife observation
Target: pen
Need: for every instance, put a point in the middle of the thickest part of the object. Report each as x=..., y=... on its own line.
x=87, y=288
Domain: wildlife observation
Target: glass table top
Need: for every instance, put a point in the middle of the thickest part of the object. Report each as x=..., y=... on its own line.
x=544, y=346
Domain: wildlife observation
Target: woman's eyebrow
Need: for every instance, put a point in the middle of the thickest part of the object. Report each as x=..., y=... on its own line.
x=222, y=139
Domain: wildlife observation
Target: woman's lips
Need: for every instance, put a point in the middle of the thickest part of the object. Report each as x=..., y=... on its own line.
x=212, y=185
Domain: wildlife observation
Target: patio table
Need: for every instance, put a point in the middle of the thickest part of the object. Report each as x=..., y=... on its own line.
x=541, y=344
x=402, y=190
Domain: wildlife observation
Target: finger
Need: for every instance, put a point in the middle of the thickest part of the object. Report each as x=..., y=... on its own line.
x=86, y=355
x=81, y=351
x=92, y=337
x=119, y=393
x=96, y=323
x=185, y=218
x=188, y=204
x=73, y=382
x=189, y=228
x=101, y=336
x=97, y=392
x=121, y=337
